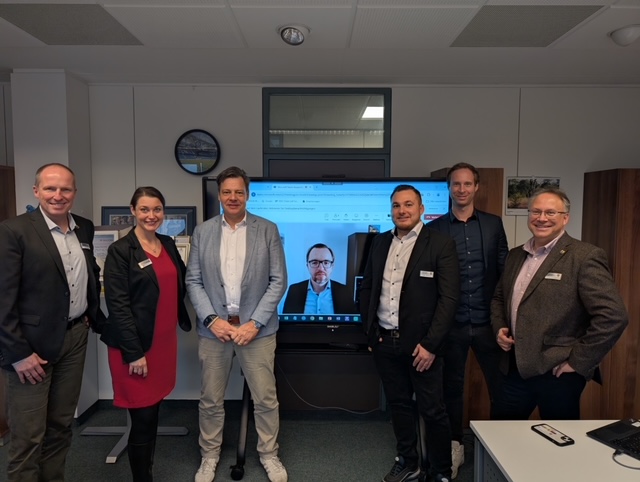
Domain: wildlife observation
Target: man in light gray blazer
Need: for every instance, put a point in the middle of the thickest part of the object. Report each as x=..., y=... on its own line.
x=556, y=314
x=236, y=276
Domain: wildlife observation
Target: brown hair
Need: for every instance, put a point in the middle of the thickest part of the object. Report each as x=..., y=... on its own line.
x=463, y=165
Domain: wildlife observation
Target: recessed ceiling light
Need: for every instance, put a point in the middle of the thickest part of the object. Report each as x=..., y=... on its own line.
x=626, y=35
x=294, y=34
x=373, y=113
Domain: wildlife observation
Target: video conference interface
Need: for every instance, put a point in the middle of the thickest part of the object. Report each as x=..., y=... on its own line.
x=328, y=212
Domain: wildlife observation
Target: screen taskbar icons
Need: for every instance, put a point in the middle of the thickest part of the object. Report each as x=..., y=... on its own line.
x=321, y=318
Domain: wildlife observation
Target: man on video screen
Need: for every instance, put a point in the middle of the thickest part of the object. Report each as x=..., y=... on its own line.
x=319, y=294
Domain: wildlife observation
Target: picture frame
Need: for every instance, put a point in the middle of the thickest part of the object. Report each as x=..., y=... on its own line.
x=103, y=237
x=178, y=220
x=183, y=249
x=520, y=189
x=117, y=216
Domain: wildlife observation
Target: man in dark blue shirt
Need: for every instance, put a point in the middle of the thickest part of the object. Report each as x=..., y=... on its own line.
x=482, y=250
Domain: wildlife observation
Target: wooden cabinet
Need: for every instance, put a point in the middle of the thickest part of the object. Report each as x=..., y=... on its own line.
x=7, y=210
x=611, y=220
x=8, y=190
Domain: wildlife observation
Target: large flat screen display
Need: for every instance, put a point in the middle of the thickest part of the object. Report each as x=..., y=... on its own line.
x=341, y=215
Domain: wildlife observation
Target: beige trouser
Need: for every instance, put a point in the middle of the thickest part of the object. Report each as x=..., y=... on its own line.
x=257, y=363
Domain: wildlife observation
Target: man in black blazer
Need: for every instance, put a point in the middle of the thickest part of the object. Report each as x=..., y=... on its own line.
x=408, y=297
x=319, y=294
x=482, y=251
x=50, y=288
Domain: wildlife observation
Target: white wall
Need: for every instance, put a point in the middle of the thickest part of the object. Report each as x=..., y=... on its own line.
x=531, y=131
x=566, y=132
x=134, y=131
x=436, y=127
x=79, y=144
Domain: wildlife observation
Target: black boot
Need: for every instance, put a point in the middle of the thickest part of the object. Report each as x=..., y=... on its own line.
x=141, y=460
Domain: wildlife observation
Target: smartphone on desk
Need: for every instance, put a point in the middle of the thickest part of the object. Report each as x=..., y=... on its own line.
x=550, y=433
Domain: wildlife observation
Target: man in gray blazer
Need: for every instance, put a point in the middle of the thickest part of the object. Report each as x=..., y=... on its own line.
x=556, y=314
x=235, y=278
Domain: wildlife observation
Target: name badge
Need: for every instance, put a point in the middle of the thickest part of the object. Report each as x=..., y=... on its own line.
x=144, y=264
x=85, y=246
x=555, y=276
x=426, y=274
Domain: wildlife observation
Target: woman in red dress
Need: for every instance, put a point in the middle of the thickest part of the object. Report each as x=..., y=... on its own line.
x=144, y=290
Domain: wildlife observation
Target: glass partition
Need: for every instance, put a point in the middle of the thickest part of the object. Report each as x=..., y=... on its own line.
x=300, y=120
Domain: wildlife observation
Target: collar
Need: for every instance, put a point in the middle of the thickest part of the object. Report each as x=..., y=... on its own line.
x=528, y=246
x=51, y=225
x=415, y=231
x=454, y=219
x=240, y=224
x=310, y=287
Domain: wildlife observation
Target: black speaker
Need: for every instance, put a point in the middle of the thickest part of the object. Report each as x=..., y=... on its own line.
x=357, y=255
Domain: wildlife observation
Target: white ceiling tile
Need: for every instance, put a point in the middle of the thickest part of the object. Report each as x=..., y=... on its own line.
x=180, y=27
x=329, y=27
x=422, y=3
x=409, y=27
x=594, y=33
x=550, y=2
x=12, y=36
x=291, y=3
x=356, y=42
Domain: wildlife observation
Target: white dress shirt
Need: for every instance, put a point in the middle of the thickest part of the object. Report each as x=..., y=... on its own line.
x=392, y=276
x=233, y=249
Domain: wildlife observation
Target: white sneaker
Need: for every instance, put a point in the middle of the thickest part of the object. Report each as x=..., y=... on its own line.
x=457, y=457
x=207, y=470
x=275, y=470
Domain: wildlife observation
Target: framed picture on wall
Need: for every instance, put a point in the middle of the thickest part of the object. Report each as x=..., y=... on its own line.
x=178, y=220
x=183, y=249
x=117, y=216
x=520, y=189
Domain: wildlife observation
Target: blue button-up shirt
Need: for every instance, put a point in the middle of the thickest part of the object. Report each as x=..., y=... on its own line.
x=319, y=303
x=472, y=308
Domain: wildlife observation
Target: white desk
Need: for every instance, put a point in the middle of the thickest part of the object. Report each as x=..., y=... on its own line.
x=511, y=451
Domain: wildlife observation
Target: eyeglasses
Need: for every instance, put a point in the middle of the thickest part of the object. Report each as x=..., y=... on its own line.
x=314, y=263
x=536, y=213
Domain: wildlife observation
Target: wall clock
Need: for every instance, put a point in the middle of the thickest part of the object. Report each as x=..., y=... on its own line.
x=197, y=151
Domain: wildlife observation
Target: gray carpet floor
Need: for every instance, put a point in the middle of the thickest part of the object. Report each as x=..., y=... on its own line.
x=314, y=447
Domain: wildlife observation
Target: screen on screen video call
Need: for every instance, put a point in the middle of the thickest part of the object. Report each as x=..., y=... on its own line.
x=308, y=212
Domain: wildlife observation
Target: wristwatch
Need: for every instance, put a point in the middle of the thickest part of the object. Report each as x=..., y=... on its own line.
x=210, y=320
x=257, y=324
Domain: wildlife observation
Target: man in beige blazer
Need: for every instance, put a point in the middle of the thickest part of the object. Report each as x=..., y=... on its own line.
x=556, y=314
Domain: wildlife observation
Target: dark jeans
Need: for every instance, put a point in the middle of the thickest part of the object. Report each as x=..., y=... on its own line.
x=556, y=398
x=483, y=343
x=40, y=415
x=401, y=381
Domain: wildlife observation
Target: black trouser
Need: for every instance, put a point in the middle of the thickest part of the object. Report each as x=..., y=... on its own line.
x=401, y=381
x=556, y=398
x=481, y=339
